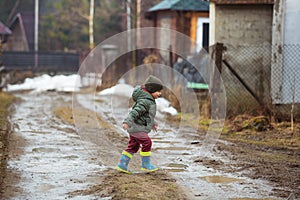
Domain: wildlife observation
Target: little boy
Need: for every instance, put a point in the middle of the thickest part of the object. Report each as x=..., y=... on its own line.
x=139, y=122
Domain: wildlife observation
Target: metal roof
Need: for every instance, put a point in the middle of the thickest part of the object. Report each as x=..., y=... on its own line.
x=181, y=5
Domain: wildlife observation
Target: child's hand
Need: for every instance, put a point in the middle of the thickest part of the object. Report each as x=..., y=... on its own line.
x=155, y=128
x=125, y=126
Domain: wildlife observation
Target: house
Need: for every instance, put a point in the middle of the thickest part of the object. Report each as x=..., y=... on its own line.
x=4, y=32
x=22, y=37
x=190, y=17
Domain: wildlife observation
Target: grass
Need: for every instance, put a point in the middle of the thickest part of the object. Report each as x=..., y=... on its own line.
x=6, y=100
x=243, y=129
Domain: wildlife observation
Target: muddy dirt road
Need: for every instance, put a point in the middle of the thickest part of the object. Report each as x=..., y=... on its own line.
x=47, y=155
x=51, y=159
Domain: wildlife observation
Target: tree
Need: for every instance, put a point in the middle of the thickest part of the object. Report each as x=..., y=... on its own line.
x=64, y=28
x=67, y=26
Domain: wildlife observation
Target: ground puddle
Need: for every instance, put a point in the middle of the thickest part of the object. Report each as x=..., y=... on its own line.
x=250, y=199
x=174, y=167
x=172, y=148
x=220, y=179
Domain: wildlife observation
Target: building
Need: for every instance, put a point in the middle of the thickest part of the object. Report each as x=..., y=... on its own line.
x=4, y=32
x=190, y=17
x=22, y=37
x=262, y=44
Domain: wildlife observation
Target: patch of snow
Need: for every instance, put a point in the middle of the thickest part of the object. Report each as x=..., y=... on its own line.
x=125, y=90
x=119, y=89
x=164, y=106
x=46, y=83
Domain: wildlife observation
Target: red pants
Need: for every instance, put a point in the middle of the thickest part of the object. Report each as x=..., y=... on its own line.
x=138, y=139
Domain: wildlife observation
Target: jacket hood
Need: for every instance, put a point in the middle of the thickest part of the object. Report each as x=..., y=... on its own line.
x=139, y=93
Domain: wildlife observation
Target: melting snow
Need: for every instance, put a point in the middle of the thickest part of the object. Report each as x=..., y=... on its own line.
x=125, y=90
x=46, y=83
x=63, y=83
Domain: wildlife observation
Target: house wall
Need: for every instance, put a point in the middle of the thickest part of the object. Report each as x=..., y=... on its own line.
x=178, y=21
x=243, y=24
x=246, y=32
x=165, y=20
x=16, y=41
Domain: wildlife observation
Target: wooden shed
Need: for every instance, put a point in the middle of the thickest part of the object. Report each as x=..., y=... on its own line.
x=190, y=17
x=22, y=37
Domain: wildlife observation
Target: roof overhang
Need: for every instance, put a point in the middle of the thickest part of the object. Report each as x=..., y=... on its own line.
x=4, y=30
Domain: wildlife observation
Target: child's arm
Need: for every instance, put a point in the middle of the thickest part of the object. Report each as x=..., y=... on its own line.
x=136, y=111
x=155, y=127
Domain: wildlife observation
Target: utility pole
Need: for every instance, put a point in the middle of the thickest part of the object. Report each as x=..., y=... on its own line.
x=128, y=11
x=36, y=25
x=91, y=24
x=36, y=33
x=138, y=22
x=137, y=33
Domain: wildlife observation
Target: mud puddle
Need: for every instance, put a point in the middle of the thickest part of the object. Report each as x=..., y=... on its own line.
x=177, y=153
x=55, y=161
x=220, y=179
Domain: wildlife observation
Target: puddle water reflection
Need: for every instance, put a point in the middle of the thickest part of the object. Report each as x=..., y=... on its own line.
x=250, y=199
x=171, y=148
x=220, y=179
x=174, y=167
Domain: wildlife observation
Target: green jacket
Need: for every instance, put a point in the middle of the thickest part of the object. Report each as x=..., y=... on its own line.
x=141, y=117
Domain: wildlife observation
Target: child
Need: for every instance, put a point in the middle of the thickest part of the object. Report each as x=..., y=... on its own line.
x=139, y=122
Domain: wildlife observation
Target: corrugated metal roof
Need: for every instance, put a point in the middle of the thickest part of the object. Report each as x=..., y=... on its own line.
x=181, y=5
x=4, y=30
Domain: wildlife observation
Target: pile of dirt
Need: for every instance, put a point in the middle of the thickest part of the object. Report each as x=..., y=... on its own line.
x=122, y=186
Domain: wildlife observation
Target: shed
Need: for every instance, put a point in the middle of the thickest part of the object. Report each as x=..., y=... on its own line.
x=190, y=17
x=22, y=37
x=4, y=32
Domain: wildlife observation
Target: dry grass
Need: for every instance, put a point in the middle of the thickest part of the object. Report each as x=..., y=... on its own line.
x=6, y=100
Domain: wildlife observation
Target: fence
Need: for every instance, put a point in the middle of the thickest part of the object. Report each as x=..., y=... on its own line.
x=262, y=79
x=41, y=61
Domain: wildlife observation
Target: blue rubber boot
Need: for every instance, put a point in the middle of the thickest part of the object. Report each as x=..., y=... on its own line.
x=123, y=163
x=146, y=165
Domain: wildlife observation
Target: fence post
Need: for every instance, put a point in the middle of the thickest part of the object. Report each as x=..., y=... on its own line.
x=218, y=56
x=215, y=88
x=217, y=59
